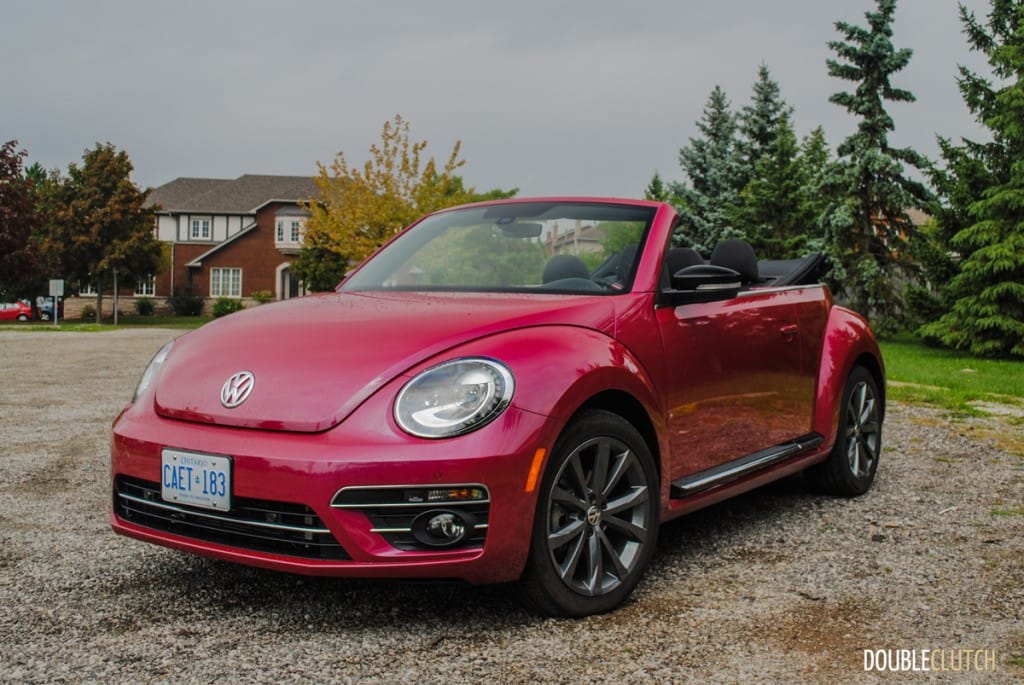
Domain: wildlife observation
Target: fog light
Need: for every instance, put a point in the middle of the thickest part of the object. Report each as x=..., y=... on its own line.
x=442, y=527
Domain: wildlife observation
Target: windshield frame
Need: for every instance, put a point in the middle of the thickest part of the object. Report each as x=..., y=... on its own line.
x=372, y=274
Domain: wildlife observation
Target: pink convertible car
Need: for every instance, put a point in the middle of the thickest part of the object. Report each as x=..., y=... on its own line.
x=517, y=390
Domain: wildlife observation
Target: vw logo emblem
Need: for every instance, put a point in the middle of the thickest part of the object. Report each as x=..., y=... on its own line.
x=237, y=389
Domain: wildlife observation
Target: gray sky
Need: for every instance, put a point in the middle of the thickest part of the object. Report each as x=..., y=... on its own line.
x=553, y=97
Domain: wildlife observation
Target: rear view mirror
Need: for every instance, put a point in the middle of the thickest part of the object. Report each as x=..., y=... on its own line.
x=521, y=230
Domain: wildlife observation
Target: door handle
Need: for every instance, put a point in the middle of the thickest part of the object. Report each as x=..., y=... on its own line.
x=789, y=331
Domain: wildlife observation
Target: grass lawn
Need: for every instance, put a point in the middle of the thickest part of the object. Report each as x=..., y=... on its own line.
x=953, y=380
x=184, y=322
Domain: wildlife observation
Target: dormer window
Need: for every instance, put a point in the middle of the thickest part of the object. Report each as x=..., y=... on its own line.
x=289, y=228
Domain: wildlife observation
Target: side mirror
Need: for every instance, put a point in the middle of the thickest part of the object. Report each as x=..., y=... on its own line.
x=702, y=283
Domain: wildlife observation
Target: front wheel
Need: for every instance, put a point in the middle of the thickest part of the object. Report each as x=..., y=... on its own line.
x=22, y=317
x=596, y=522
x=850, y=467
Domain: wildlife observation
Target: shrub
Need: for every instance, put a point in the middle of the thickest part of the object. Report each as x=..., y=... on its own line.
x=262, y=296
x=144, y=306
x=226, y=305
x=186, y=305
x=88, y=313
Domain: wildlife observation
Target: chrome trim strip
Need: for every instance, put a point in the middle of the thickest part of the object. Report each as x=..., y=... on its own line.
x=744, y=466
x=226, y=519
x=416, y=486
x=406, y=505
x=479, y=526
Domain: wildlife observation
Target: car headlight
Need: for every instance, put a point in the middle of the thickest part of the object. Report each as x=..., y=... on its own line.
x=453, y=398
x=151, y=370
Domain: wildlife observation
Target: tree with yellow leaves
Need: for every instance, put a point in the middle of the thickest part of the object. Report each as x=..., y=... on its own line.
x=359, y=209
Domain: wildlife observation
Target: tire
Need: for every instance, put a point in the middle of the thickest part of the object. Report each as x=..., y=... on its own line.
x=22, y=317
x=596, y=523
x=850, y=467
x=44, y=316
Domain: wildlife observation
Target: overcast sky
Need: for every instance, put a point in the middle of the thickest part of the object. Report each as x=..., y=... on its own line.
x=586, y=98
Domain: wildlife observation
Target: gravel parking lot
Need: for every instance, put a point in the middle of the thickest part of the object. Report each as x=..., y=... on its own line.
x=777, y=586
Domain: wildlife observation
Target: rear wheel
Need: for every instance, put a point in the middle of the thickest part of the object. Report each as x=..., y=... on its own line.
x=850, y=467
x=22, y=317
x=596, y=522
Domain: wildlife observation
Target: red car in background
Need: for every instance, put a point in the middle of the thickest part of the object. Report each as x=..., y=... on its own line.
x=15, y=311
x=521, y=389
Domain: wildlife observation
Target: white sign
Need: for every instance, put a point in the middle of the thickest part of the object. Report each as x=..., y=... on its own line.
x=56, y=287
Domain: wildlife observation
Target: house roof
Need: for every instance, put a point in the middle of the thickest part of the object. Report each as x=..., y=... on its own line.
x=243, y=195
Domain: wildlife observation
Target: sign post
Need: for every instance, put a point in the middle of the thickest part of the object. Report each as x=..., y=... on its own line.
x=56, y=290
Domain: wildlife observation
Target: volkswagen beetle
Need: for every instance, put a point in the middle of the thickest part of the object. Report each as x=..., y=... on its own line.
x=515, y=390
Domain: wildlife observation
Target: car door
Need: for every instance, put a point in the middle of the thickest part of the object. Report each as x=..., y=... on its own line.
x=735, y=383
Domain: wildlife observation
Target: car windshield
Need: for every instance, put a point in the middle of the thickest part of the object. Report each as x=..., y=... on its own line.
x=563, y=247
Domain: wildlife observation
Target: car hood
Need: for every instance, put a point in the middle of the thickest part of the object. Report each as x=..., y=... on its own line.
x=316, y=359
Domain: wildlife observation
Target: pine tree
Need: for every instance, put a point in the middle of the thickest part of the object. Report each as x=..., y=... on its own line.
x=657, y=190
x=815, y=161
x=866, y=225
x=772, y=210
x=985, y=190
x=710, y=163
x=758, y=123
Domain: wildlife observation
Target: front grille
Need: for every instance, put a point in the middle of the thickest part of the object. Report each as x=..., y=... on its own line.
x=392, y=510
x=261, y=525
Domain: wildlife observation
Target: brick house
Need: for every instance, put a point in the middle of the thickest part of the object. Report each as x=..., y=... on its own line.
x=230, y=238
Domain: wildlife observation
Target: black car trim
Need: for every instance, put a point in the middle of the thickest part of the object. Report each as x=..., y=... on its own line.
x=731, y=470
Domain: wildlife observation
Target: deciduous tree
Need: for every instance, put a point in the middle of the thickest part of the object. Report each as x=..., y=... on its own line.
x=359, y=208
x=20, y=218
x=98, y=223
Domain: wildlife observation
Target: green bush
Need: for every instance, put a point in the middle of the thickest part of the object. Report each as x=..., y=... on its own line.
x=186, y=305
x=262, y=296
x=88, y=313
x=226, y=305
x=144, y=306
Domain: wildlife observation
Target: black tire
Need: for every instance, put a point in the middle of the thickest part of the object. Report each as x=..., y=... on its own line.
x=850, y=467
x=596, y=522
x=22, y=317
x=44, y=316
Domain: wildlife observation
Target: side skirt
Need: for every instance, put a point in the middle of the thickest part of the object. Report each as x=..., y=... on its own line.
x=732, y=470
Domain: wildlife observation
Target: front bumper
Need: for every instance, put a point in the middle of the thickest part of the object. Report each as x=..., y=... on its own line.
x=292, y=472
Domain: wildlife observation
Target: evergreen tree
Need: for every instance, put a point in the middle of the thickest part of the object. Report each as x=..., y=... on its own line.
x=866, y=224
x=815, y=162
x=984, y=185
x=657, y=190
x=759, y=122
x=710, y=163
x=773, y=211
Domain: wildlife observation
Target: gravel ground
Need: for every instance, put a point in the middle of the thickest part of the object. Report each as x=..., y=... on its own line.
x=776, y=586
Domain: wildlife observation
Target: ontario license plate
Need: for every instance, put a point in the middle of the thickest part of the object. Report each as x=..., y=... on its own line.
x=199, y=480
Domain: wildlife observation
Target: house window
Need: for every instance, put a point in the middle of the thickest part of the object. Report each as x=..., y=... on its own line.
x=146, y=287
x=289, y=231
x=200, y=228
x=225, y=282
x=88, y=289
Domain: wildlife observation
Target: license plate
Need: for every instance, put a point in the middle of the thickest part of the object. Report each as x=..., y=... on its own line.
x=199, y=480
